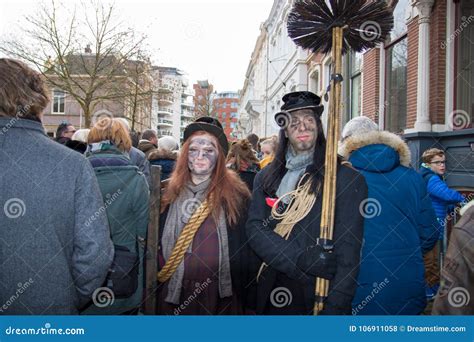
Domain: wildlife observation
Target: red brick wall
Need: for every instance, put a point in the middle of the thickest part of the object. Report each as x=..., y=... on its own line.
x=437, y=63
x=412, y=71
x=371, y=84
x=218, y=104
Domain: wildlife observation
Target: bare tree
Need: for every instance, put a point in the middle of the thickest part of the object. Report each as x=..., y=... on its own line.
x=205, y=103
x=139, y=91
x=53, y=40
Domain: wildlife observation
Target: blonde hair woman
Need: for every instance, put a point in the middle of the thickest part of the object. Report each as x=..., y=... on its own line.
x=125, y=194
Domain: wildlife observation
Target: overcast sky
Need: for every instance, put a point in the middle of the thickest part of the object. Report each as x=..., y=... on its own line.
x=208, y=39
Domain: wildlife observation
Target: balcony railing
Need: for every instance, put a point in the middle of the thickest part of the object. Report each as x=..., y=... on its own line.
x=164, y=122
x=165, y=99
x=187, y=114
x=165, y=111
x=187, y=92
x=162, y=132
x=165, y=87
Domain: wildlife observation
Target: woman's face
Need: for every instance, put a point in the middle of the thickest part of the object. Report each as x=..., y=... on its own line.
x=267, y=150
x=203, y=153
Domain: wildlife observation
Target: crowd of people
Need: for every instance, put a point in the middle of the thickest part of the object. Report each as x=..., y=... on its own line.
x=239, y=222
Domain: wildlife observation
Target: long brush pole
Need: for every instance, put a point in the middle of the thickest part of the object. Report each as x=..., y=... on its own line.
x=329, y=189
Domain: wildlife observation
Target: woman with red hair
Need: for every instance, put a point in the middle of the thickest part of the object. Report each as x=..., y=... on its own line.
x=202, y=229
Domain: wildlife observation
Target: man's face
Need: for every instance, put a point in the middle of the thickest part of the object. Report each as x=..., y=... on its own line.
x=302, y=130
x=202, y=156
x=70, y=131
x=438, y=165
x=154, y=141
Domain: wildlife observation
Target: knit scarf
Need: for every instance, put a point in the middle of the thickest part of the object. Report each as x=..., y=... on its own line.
x=179, y=213
x=296, y=165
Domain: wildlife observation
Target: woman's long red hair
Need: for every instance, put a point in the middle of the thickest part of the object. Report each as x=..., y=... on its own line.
x=230, y=193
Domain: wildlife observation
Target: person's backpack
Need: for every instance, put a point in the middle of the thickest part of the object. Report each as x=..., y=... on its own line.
x=122, y=278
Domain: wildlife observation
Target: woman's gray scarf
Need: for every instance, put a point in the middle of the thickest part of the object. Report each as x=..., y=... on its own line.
x=179, y=213
x=296, y=165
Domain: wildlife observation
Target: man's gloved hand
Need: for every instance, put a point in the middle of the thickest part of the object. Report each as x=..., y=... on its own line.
x=316, y=261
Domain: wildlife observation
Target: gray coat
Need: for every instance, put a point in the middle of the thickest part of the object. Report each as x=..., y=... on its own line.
x=55, y=246
x=139, y=159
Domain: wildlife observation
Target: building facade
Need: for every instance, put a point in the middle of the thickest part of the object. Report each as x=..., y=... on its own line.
x=172, y=104
x=126, y=92
x=222, y=106
x=159, y=98
x=226, y=105
x=419, y=83
x=203, y=98
x=277, y=66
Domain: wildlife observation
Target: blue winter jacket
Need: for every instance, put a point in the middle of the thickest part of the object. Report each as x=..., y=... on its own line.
x=165, y=159
x=400, y=225
x=441, y=195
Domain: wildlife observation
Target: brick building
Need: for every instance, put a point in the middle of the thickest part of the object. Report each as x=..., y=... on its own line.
x=203, y=96
x=226, y=105
x=127, y=93
x=419, y=83
x=223, y=106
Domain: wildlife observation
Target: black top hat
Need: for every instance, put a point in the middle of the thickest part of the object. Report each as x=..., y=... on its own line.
x=302, y=100
x=209, y=125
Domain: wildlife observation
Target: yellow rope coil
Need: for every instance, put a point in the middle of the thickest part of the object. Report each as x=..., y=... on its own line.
x=299, y=205
x=184, y=240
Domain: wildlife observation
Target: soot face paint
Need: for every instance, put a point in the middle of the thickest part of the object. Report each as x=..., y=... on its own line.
x=202, y=156
x=302, y=131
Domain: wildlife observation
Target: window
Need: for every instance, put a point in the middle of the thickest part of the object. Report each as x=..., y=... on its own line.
x=224, y=105
x=396, y=86
x=400, y=16
x=234, y=105
x=465, y=69
x=396, y=71
x=355, y=81
x=233, y=115
x=233, y=125
x=59, y=97
x=223, y=115
x=327, y=74
x=314, y=82
x=223, y=125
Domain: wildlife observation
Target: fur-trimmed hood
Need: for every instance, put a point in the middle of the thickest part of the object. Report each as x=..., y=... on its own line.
x=145, y=145
x=161, y=153
x=356, y=142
